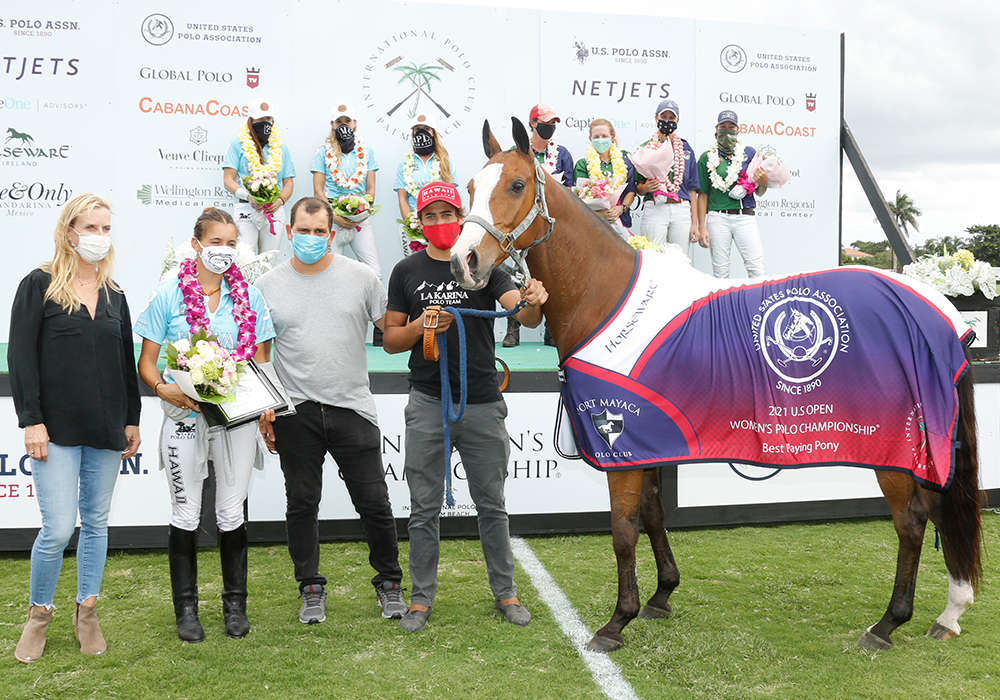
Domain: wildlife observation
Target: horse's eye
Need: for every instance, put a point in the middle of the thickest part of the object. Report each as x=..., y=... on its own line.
x=517, y=187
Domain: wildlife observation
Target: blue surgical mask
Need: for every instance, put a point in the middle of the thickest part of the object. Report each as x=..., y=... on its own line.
x=601, y=145
x=309, y=248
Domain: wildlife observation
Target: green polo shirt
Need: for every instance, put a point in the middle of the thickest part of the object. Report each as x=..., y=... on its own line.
x=717, y=199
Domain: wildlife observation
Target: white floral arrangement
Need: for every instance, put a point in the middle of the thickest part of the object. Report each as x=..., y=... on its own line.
x=252, y=266
x=958, y=274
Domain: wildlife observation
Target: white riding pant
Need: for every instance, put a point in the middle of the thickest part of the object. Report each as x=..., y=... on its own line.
x=186, y=462
x=667, y=223
x=255, y=229
x=726, y=229
x=362, y=242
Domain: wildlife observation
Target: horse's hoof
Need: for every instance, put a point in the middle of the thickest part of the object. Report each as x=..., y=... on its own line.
x=873, y=642
x=651, y=612
x=938, y=631
x=604, y=645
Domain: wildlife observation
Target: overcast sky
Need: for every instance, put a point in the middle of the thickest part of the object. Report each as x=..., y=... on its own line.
x=921, y=83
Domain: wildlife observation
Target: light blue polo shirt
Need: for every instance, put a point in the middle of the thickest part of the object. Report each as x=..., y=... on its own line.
x=421, y=176
x=164, y=319
x=348, y=163
x=237, y=160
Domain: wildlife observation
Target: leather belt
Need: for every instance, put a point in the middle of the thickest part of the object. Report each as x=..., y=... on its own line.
x=749, y=211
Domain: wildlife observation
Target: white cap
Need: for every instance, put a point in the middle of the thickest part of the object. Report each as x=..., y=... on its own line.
x=342, y=110
x=424, y=120
x=261, y=108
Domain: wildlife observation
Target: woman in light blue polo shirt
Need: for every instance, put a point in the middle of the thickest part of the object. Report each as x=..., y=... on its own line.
x=186, y=443
x=427, y=162
x=253, y=147
x=343, y=165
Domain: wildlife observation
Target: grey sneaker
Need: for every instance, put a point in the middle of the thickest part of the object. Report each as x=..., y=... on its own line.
x=313, y=610
x=415, y=620
x=515, y=613
x=390, y=599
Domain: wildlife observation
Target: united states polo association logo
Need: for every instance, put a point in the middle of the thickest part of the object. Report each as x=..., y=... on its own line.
x=799, y=337
x=416, y=72
x=733, y=58
x=157, y=29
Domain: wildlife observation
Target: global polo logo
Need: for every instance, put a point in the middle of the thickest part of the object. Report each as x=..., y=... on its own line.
x=253, y=78
x=811, y=101
x=157, y=29
x=733, y=58
x=416, y=72
x=799, y=334
x=608, y=425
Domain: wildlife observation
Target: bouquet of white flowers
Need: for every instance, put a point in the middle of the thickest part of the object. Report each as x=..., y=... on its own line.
x=203, y=369
x=959, y=274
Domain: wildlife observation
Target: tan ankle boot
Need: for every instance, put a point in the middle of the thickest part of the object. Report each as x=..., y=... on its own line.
x=88, y=631
x=32, y=642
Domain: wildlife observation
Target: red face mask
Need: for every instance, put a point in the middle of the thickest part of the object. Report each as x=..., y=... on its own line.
x=442, y=236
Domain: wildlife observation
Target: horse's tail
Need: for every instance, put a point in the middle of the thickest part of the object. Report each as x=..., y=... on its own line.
x=960, y=505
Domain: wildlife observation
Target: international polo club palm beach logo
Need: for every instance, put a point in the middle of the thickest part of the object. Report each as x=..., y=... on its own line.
x=418, y=72
x=799, y=338
x=916, y=436
x=608, y=425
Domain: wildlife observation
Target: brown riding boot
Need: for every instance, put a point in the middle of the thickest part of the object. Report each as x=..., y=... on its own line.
x=513, y=337
x=88, y=631
x=32, y=642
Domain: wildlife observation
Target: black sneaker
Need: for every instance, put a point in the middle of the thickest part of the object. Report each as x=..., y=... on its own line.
x=313, y=610
x=390, y=599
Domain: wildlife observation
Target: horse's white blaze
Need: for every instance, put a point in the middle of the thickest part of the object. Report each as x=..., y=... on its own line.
x=960, y=597
x=472, y=234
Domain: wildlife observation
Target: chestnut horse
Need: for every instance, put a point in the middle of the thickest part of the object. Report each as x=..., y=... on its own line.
x=586, y=268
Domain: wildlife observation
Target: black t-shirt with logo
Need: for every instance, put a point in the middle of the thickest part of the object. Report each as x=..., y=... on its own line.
x=420, y=281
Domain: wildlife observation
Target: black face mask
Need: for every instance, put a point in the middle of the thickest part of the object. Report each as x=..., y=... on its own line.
x=345, y=138
x=666, y=127
x=545, y=131
x=262, y=130
x=423, y=142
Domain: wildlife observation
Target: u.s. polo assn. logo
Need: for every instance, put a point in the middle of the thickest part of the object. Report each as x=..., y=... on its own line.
x=799, y=337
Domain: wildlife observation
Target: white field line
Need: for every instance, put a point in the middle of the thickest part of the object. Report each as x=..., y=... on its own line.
x=606, y=673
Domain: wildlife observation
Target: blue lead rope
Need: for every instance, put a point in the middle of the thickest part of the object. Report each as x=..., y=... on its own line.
x=447, y=416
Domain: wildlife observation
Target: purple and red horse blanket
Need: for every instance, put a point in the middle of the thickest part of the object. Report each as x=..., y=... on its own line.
x=850, y=366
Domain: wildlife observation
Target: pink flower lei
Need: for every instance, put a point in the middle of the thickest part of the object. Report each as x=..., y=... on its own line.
x=194, y=304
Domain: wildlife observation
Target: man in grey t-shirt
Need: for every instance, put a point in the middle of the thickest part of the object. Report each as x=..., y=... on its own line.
x=321, y=305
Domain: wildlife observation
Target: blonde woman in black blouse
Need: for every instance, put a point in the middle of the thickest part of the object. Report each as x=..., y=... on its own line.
x=73, y=379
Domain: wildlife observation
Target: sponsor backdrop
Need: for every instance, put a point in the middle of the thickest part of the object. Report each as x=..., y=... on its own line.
x=140, y=100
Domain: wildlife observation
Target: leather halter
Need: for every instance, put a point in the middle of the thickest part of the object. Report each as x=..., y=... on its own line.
x=507, y=240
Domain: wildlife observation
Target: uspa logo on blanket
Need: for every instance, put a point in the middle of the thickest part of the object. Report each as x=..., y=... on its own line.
x=799, y=337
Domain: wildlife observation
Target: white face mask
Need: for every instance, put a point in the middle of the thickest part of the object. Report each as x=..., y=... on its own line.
x=218, y=258
x=92, y=247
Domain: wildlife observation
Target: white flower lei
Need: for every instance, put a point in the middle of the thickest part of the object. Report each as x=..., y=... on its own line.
x=619, y=171
x=551, y=156
x=732, y=173
x=409, y=163
x=273, y=165
x=348, y=182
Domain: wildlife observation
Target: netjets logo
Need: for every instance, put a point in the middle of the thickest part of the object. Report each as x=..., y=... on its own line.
x=799, y=337
x=418, y=72
x=608, y=425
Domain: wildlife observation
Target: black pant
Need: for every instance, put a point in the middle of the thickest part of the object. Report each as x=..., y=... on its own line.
x=303, y=440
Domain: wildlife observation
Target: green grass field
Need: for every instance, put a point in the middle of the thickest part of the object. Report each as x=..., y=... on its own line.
x=762, y=612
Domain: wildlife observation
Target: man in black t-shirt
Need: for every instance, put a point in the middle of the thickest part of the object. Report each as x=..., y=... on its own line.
x=421, y=280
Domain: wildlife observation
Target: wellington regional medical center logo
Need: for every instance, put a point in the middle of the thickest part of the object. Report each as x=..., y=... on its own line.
x=417, y=72
x=799, y=332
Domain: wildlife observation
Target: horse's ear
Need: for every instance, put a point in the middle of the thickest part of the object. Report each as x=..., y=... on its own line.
x=520, y=136
x=490, y=145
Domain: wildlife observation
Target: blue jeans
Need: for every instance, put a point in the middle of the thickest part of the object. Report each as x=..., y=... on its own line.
x=72, y=478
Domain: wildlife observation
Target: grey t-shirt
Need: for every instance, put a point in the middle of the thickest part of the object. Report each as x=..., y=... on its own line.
x=321, y=321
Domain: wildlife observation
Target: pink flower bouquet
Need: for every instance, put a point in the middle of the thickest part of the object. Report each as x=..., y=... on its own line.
x=654, y=161
x=598, y=193
x=767, y=160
